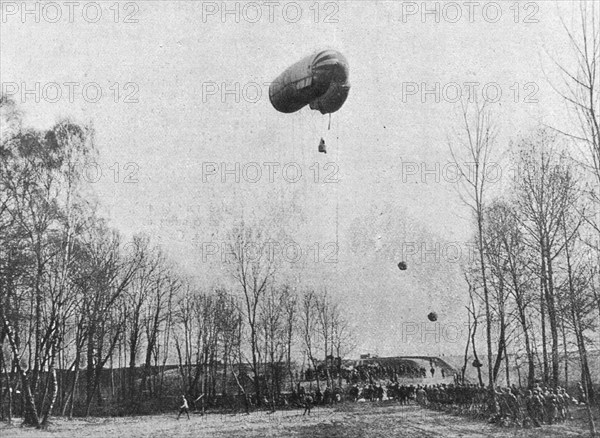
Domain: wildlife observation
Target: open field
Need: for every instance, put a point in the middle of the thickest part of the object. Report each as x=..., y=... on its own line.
x=345, y=421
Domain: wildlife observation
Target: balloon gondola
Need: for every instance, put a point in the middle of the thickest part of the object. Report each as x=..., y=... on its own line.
x=319, y=80
x=322, y=147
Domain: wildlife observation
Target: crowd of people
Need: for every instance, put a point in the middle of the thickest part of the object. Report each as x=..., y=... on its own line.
x=533, y=407
x=374, y=371
x=355, y=393
x=514, y=406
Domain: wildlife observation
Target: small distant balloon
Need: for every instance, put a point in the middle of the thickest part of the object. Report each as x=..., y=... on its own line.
x=402, y=266
x=432, y=316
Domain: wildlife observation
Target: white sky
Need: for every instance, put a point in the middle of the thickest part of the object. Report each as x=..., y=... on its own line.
x=174, y=52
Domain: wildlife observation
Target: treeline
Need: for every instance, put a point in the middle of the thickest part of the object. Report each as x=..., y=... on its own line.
x=540, y=261
x=76, y=298
x=535, y=281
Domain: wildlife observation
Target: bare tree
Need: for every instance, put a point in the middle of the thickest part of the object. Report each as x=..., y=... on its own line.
x=474, y=315
x=475, y=145
x=253, y=267
x=274, y=334
x=342, y=339
x=40, y=182
x=513, y=252
x=310, y=328
x=137, y=297
x=581, y=89
x=112, y=271
x=546, y=189
x=498, y=270
x=165, y=287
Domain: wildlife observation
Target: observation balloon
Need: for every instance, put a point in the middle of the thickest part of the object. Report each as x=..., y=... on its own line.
x=319, y=80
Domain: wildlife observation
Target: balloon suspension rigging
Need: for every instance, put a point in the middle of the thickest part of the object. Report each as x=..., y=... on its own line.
x=319, y=80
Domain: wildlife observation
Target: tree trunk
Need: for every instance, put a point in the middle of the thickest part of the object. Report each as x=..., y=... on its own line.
x=38, y=320
x=528, y=349
x=71, y=398
x=53, y=387
x=225, y=362
x=475, y=351
x=9, y=386
x=553, y=321
x=585, y=370
x=466, y=356
x=31, y=417
x=3, y=373
x=89, y=372
x=488, y=315
x=133, y=344
x=543, y=319
x=506, y=365
x=255, y=365
x=501, y=349
x=565, y=352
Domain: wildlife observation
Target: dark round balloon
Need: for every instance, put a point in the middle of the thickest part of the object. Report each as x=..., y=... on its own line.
x=319, y=80
x=432, y=317
x=402, y=266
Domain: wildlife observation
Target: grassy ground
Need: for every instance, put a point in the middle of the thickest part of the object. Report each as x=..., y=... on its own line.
x=381, y=420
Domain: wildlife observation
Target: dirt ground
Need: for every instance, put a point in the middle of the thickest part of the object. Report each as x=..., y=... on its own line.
x=381, y=420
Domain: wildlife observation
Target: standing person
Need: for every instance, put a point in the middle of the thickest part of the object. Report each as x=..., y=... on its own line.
x=552, y=408
x=184, y=408
x=533, y=408
x=318, y=396
x=327, y=396
x=566, y=403
x=354, y=393
x=308, y=401
x=512, y=403
x=538, y=403
x=301, y=392
x=421, y=396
